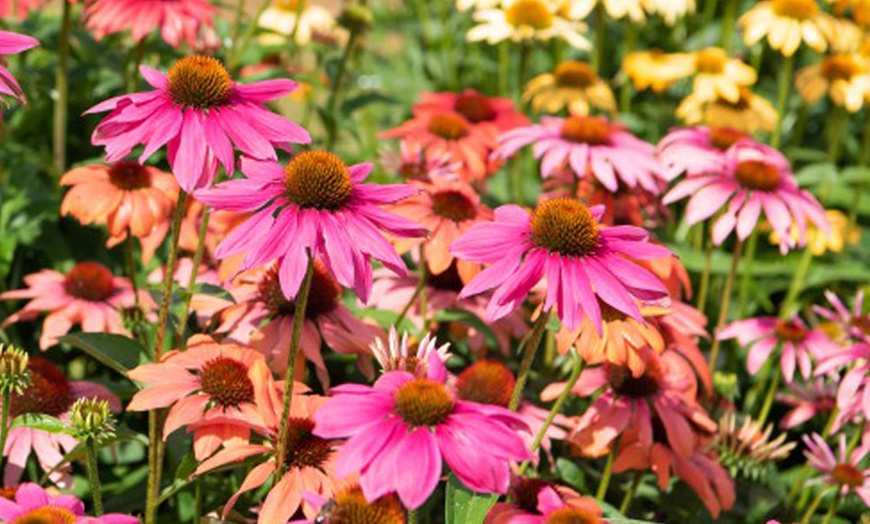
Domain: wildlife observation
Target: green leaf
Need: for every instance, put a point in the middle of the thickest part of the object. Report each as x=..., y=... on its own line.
x=115, y=351
x=463, y=506
x=613, y=515
x=42, y=422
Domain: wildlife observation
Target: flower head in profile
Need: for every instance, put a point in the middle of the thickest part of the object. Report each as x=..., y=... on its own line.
x=348, y=505
x=549, y=506
x=200, y=114
x=572, y=85
x=528, y=20
x=187, y=21
x=12, y=44
x=128, y=198
x=406, y=355
x=317, y=206
x=591, y=147
x=748, y=448
x=855, y=383
x=476, y=108
x=844, y=78
x=33, y=504
x=787, y=24
x=412, y=163
x=750, y=113
x=699, y=150
x=842, y=469
x=852, y=324
x=301, y=20
x=582, y=260
x=88, y=295
x=409, y=418
x=807, y=400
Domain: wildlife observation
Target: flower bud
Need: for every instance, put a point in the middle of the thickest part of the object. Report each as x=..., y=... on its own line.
x=14, y=375
x=356, y=18
x=92, y=420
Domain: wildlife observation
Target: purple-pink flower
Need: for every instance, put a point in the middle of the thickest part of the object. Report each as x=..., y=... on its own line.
x=853, y=395
x=34, y=504
x=699, y=150
x=11, y=44
x=841, y=470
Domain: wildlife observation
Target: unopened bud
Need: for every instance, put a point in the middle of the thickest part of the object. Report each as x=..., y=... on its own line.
x=92, y=420
x=14, y=375
x=356, y=18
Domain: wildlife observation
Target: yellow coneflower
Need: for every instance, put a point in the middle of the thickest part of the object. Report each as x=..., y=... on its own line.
x=525, y=20
x=854, y=24
x=669, y=10
x=845, y=78
x=314, y=21
x=820, y=242
x=616, y=9
x=787, y=23
x=750, y=113
x=572, y=85
x=655, y=69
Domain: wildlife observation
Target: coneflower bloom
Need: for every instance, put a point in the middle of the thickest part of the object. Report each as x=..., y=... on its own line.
x=447, y=209
x=12, y=44
x=787, y=24
x=750, y=113
x=33, y=504
x=405, y=417
x=188, y=21
x=402, y=355
x=562, y=240
x=748, y=447
x=475, y=107
x=49, y=393
x=854, y=387
x=287, y=18
x=528, y=20
x=592, y=147
x=128, y=198
x=88, y=295
x=200, y=114
x=797, y=343
x=698, y=150
x=573, y=85
x=854, y=324
x=412, y=163
x=754, y=179
x=807, y=400
x=349, y=505
x=841, y=470
x=314, y=206
x=549, y=507
x=845, y=78
x=21, y=9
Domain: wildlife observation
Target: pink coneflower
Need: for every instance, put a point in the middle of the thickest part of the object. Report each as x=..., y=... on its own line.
x=12, y=44
x=315, y=204
x=562, y=240
x=33, y=504
x=699, y=150
x=263, y=317
x=447, y=209
x=412, y=163
x=400, y=355
x=854, y=324
x=549, y=507
x=408, y=418
x=128, y=198
x=854, y=387
x=22, y=8
x=755, y=178
x=200, y=114
x=89, y=295
x=50, y=393
x=842, y=469
x=592, y=147
x=475, y=107
x=798, y=343
x=179, y=21
x=806, y=401
x=349, y=505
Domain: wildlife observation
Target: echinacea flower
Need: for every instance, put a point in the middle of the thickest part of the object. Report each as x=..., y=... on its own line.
x=402, y=355
x=819, y=241
x=755, y=179
x=527, y=20
x=562, y=240
x=12, y=44
x=787, y=24
x=129, y=198
x=854, y=387
x=750, y=113
x=88, y=294
x=523, y=501
x=299, y=19
x=412, y=163
x=797, y=343
x=655, y=69
x=841, y=470
x=573, y=85
x=669, y=10
x=33, y=504
x=313, y=206
x=550, y=508
x=592, y=147
x=475, y=107
x=615, y=9
x=18, y=9
x=189, y=21
x=807, y=400
x=749, y=448
x=348, y=505
x=699, y=150
x=845, y=78
x=854, y=323
x=408, y=419
x=50, y=393
x=200, y=114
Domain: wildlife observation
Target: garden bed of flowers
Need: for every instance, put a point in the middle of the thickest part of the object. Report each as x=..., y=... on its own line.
x=453, y=261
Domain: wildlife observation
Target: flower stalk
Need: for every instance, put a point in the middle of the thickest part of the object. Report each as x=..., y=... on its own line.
x=529, y=347
x=61, y=85
x=726, y=303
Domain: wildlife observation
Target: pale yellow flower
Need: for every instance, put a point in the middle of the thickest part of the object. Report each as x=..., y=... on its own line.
x=616, y=9
x=573, y=85
x=525, y=20
x=750, y=113
x=280, y=20
x=787, y=23
x=845, y=78
x=819, y=242
x=854, y=24
x=465, y=5
x=669, y=10
x=656, y=70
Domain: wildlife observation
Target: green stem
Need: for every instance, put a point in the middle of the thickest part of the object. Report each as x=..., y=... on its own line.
x=522, y=70
x=832, y=510
x=418, y=292
x=726, y=303
x=632, y=490
x=836, y=123
x=729, y=17
x=600, y=38
x=238, y=50
x=746, y=273
x=61, y=103
x=771, y=392
x=412, y=516
x=704, y=286
x=789, y=304
x=301, y=303
x=608, y=472
x=785, y=75
x=197, y=260
x=94, y=476
x=4, y=422
x=811, y=510
x=625, y=89
x=529, y=347
x=864, y=159
x=335, y=88
x=504, y=66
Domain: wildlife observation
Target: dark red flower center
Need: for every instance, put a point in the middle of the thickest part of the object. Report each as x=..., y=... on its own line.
x=129, y=176
x=524, y=493
x=199, y=81
x=486, y=382
x=723, y=138
x=790, y=331
x=449, y=126
x=625, y=383
x=572, y=516
x=8, y=493
x=90, y=281
x=49, y=392
x=592, y=130
x=304, y=449
x=758, y=175
x=319, y=180
x=861, y=323
x=226, y=381
x=47, y=515
x=350, y=507
x=848, y=475
x=453, y=205
x=574, y=74
x=475, y=107
x=323, y=297
x=423, y=402
x=530, y=13
x=711, y=60
x=565, y=226
x=840, y=67
x=448, y=280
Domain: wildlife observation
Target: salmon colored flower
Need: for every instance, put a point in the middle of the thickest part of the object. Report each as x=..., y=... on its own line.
x=189, y=21
x=127, y=197
x=200, y=114
x=34, y=504
x=412, y=163
x=314, y=205
x=22, y=8
x=12, y=44
x=853, y=324
x=408, y=419
x=841, y=470
x=348, y=504
x=50, y=393
x=550, y=507
x=573, y=85
x=564, y=241
x=88, y=295
x=787, y=24
x=475, y=107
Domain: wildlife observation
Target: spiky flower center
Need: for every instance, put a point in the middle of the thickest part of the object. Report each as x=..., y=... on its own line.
x=797, y=9
x=790, y=331
x=226, y=381
x=592, y=130
x=8, y=493
x=129, y=176
x=840, y=67
x=861, y=323
x=524, y=493
x=574, y=74
x=711, y=60
x=625, y=383
x=318, y=180
x=758, y=175
x=89, y=281
x=350, y=507
x=529, y=13
x=453, y=205
x=571, y=516
x=423, y=402
x=486, y=382
x=848, y=475
x=201, y=82
x=47, y=515
x=448, y=280
x=449, y=126
x=304, y=449
x=723, y=138
x=49, y=392
x=323, y=298
x=565, y=226
x=475, y=107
